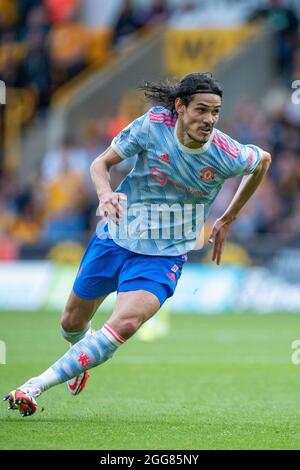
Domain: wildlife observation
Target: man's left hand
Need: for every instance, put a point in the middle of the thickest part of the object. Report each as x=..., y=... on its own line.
x=218, y=237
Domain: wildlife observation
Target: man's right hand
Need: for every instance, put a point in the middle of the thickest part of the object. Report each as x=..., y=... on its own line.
x=110, y=206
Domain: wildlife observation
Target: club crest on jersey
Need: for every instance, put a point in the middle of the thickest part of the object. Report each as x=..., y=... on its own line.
x=207, y=174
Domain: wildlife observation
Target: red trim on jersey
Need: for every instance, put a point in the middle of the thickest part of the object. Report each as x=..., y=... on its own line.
x=219, y=138
x=163, y=118
x=225, y=141
x=250, y=160
x=225, y=145
x=154, y=113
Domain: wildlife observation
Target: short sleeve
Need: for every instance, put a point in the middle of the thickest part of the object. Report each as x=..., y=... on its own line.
x=133, y=139
x=247, y=160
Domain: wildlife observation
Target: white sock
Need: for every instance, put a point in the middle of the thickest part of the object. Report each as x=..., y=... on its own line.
x=77, y=336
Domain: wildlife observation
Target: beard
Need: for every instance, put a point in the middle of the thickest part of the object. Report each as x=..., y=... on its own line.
x=198, y=139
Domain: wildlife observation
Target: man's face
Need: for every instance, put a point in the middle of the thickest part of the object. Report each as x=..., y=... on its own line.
x=199, y=117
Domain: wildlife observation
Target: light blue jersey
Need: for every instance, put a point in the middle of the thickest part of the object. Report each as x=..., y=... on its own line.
x=169, y=175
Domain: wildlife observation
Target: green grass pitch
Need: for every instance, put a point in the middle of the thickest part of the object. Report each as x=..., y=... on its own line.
x=215, y=382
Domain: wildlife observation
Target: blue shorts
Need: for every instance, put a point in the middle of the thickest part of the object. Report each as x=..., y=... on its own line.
x=107, y=267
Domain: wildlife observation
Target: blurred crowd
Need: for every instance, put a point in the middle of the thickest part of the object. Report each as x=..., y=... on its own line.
x=46, y=43
x=59, y=205
x=43, y=44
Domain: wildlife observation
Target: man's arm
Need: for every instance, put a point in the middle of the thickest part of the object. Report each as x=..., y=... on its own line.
x=248, y=186
x=109, y=201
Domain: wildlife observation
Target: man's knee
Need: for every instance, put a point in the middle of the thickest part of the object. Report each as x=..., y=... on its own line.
x=127, y=325
x=71, y=321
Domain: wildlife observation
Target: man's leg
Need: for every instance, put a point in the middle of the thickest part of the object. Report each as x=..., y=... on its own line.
x=76, y=325
x=132, y=309
x=77, y=316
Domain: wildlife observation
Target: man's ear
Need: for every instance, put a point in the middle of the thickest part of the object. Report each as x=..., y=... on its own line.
x=179, y=105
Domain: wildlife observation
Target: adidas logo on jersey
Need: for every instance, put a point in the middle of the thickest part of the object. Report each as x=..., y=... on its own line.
x=165, y=158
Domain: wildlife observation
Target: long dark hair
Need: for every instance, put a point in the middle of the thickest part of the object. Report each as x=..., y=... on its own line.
x=165, y=92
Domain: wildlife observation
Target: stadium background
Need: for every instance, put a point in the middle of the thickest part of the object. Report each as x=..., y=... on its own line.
x=71, y=69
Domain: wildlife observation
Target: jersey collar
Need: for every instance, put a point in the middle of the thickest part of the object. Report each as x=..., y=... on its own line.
x=188, y=149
